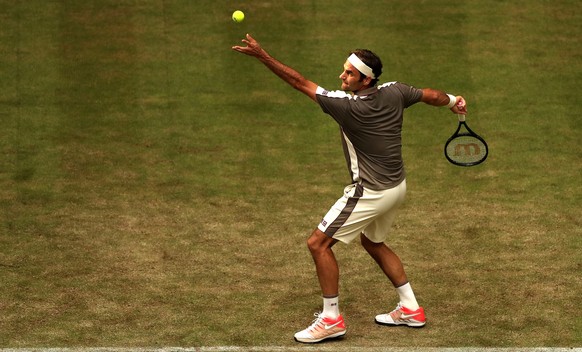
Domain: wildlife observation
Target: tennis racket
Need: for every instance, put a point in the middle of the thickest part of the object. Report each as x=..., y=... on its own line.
x=466, y=148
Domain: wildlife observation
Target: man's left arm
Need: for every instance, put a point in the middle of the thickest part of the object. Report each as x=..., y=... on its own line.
x=286, y=73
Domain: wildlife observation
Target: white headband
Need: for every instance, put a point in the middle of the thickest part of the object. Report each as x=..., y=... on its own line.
x=361, y=66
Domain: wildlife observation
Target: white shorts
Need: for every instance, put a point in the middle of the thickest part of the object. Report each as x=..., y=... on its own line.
x=362, y=210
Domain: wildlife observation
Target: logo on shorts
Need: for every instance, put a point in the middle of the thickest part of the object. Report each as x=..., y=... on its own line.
x=324, y=223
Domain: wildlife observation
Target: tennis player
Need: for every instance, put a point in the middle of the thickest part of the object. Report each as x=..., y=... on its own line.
x=370, y=119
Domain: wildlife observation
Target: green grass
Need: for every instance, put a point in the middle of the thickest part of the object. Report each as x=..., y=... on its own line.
x=156, y=188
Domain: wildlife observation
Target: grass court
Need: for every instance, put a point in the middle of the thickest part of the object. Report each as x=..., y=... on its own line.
x=157, y=188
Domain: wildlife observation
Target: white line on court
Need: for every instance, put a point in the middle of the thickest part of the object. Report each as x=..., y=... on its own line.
x=322, y=348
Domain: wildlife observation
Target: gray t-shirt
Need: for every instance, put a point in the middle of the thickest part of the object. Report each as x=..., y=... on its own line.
x=371, y=126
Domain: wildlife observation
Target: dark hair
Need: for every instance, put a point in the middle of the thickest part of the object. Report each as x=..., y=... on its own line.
x=372, y=60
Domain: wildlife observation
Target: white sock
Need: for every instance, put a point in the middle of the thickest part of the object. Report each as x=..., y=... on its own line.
x=331, y=307
x=407, y=297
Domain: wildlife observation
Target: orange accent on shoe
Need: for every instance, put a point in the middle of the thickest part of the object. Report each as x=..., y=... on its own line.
x=403, y=316
x=322, y=328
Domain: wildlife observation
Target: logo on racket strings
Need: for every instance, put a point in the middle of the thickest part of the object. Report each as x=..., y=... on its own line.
x=468, y=149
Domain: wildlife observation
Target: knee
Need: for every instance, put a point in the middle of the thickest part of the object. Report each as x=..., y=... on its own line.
x=369, y=245
x=316, y=242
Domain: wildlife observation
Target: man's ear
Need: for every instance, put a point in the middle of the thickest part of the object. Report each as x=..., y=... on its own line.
x=367, y=81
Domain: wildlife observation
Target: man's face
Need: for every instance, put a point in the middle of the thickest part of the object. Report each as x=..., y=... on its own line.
x=351, y=78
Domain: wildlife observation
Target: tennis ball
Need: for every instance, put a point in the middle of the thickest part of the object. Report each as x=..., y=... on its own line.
x=238, y=16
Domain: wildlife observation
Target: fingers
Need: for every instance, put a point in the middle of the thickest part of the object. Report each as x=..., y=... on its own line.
x=251, y=47
x=460, y=110
x=241, y=48
x=246, y=41
x=251, y=39
x=461, y=106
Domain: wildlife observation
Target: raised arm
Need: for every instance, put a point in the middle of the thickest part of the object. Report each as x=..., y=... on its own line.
x=436, y=97
x=286, y=73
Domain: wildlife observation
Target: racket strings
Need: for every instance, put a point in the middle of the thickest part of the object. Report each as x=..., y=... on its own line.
x=466, y=149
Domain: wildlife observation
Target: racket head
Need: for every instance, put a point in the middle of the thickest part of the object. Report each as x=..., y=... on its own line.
x=466, y=148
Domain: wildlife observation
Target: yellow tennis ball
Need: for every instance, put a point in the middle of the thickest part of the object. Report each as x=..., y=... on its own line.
x=238, y=16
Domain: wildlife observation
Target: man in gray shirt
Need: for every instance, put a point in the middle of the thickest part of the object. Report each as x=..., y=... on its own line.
x=370, y=120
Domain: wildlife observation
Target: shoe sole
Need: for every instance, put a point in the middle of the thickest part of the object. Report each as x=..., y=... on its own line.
x=337, y=335
x=410, y=325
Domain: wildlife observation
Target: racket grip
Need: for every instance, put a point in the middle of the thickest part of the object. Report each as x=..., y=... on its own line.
x=461, y=117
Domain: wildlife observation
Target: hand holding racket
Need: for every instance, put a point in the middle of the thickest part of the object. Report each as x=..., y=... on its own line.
x=465, y=148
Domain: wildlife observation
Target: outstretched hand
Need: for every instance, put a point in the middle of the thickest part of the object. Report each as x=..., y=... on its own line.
x=252, y=48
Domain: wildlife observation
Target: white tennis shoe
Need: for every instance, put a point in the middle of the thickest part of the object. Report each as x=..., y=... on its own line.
x=321, y=329
x=403, y=316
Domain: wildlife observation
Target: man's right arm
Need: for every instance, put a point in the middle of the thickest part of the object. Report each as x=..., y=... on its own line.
x=439, y=98
x=286, y=73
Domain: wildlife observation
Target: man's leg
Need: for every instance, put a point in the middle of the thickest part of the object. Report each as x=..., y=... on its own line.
x=325, y=263
x=388, y=261
x=407, y=312
x=329, y=323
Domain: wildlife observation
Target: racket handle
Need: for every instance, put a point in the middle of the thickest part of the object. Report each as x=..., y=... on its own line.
x=461, y=108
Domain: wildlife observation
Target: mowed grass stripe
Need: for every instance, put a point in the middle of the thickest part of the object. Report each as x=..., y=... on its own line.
x=320, y=347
